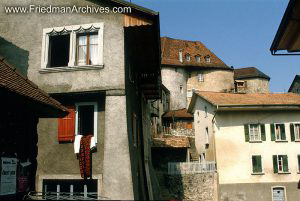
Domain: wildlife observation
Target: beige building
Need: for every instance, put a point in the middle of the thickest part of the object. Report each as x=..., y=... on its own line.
x=254, y=139
x=251, y=80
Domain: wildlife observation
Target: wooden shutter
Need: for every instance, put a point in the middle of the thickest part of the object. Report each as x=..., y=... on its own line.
x=259, y=166
x=298, y=163
x=285, y=164
x=246, y=129
x=272, y=132
x=282, y=130
x=66, y=126
x=263, y=132
x=275, y=165
x=292, y=132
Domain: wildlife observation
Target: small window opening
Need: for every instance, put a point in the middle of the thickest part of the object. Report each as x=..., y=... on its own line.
x=59, y=50
x=86, y=120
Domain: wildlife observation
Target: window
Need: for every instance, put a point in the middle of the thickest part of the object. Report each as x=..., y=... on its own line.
x=86, y=119
x=295, y=131
x=207, y=136
x=200, y=77
x=207, y=59
x=87, y=49
x=189, y=93
x=197, y=58
x=188, y=57
x=256, y=164
x=70, y=46
x=240, y=83
x=278, y=194
x=180, y=55
x=254, y=132
x=181, y=88
x=278, y=132
x=280, y=164
x=205, y=109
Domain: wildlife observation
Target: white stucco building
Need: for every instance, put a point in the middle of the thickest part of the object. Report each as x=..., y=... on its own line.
x=255, y=141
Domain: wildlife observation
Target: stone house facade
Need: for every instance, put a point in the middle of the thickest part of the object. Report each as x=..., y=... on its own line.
x=188, y=66
x=251, y=80
x=104, y=71
x=254, y=140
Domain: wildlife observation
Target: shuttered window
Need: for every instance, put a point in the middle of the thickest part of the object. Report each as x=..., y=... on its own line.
x=298, y=157
x=256, y=164
x=254, y=132
x=280, y=164
x=66, y=126
x=295, y=132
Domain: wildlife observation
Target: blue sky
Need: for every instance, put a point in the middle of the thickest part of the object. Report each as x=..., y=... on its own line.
x=240, y=32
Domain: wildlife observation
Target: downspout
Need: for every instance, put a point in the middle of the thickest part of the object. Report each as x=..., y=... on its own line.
x=215, y=154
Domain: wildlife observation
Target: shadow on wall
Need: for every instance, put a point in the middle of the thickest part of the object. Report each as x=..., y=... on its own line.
x=14, y=55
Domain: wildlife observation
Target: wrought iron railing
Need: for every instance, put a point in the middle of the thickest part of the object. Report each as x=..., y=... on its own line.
x=191, y=167
x=63, y=196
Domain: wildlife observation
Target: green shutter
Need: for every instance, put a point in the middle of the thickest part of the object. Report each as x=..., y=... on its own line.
x=282, y=129
x=259, y=166
x=263, y=132
x=254, y=164
x=275, y=165
x=246, y=129
x=285, y=164
x=272, y=132
x=292, y=132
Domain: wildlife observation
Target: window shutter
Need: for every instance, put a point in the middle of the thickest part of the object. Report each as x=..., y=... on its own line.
x=275, y=165
x=259, y=166
x=285, y=164
x=292, y=132
x=263, y=132
x=246, y=129
x=298, y=163
x=282, y=128
x=272, y=132
x=254, y=164
x=66, y=126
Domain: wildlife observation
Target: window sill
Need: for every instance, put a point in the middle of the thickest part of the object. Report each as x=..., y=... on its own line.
x=284, y=172
x=70, y=68
x=256, y=141
x=298, y=140
x=281, y=141
x=257, y=173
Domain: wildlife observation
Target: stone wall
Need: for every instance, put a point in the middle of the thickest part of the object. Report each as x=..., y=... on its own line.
x=201, y=187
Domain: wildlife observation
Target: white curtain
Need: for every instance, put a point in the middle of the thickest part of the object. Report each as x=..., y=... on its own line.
x=82, y=50
x=93, y=49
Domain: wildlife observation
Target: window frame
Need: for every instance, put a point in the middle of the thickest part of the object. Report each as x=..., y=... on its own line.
x=200, y=77
x=73, y=30
x=284, y=189
x=280, y=140
x=207, y=59
x=95, y=104
x=298, y=163
x=198, y=58
x=259, y=132
x=188, y=57
x=288, y=168
x=296, y=139
x=261, y=162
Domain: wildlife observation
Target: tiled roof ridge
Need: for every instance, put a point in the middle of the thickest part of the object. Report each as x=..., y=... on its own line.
x=15, y=70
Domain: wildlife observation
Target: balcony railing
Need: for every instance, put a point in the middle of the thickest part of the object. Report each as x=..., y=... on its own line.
x=191, y=167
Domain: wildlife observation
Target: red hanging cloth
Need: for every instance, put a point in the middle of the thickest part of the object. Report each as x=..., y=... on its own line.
x=85, y=156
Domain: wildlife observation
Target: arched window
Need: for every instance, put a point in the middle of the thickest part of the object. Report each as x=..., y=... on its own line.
x=207, y=59
x=188, y=57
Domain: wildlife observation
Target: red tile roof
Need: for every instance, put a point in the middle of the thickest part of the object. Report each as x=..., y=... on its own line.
x=14, y=82
x=171, y=142
x=224, y=99
x=249, y=72
x=170, y=54
x=182, y=113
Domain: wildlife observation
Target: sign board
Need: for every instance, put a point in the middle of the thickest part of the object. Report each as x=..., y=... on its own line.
x=8, y=176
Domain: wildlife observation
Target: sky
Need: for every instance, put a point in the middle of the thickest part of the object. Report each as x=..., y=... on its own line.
x=240, y=32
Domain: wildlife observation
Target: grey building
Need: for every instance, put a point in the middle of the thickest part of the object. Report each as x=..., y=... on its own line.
x=295, y=86
x=104, y=67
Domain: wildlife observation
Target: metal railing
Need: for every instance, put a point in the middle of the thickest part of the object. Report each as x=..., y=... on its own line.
x=63, y=196
x=191, y=167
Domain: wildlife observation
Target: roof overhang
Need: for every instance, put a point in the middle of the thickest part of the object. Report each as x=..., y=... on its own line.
x=287, y=37
x=257, y=107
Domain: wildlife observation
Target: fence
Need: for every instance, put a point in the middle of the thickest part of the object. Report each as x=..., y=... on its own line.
x=191, y=167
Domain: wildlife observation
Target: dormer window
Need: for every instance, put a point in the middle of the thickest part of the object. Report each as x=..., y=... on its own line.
x=188, y=57
x=180, y=55
x=207, y=59
x=197, y=58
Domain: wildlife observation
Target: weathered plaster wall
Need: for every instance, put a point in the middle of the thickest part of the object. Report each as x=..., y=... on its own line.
x=25, y=31
x=234, y=154
x=256, y=191
x=172, y=80
x=257, y=85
